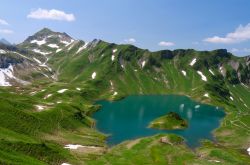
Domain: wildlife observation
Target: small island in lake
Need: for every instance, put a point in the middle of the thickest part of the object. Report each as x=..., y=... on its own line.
x=169, y=122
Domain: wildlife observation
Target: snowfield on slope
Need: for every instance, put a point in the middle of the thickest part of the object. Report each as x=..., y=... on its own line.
x=143, y=64
x=82, y=48
x=204, y=78
x=211, y=72
x=40, y=107
x=53, y=45
x=5, y=74
x=93, y=75
x=2, y=51
x=62, y=90
x=193, y=62
x=38, y=42
x=184, y=72
x=58, y=50
x=38, y=61
x=206, y=95
x=66, y=42
x=40, y=52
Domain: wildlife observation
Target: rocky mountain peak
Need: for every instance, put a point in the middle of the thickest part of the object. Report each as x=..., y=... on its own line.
x=46, y=42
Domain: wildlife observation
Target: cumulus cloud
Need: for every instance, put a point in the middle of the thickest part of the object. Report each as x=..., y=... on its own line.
x=52, y=14
x=3, y=22
x=164, y=43
x=242, y=33
x=130, y=40
x=6, y=31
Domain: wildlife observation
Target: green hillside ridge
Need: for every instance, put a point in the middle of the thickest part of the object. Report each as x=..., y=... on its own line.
x=38, y=121
x=169, y=121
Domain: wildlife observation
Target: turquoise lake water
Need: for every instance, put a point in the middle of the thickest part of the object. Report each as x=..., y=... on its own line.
x=128, y=118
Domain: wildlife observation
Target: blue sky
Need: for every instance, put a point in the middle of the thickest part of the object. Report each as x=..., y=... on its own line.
x=149, y=24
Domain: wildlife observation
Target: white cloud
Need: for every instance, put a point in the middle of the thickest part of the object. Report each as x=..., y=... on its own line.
x=164, y=43
x=244, y=50
x=234, y=50
x=242, y=33
x=52, y=14
x=130, y=40
x=3, y=22
x=6, y=31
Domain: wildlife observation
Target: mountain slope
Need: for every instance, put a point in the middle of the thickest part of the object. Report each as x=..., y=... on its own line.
x=66, y=76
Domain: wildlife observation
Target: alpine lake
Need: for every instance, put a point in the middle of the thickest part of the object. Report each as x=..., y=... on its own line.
x=129, y=118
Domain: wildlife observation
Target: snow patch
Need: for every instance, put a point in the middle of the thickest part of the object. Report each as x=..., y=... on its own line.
x=204, y=78
x=40, y=107
x=193, y=62
x=66, y=42
x=71, y=46
x=38, y=61
x=73, y=146
x=211, y=72
x=221, y=69
x=38, y=42
x=62, y=90
x=93, y=75
x=81, y=48
x=248, y=150
x=231, y=98
x=53, y=45
x=2, y=51
x=113, y=57
x=47, y=96
x=6, y=73
x=40, y=52
x=216, y=161
x=65, y=164
x=115, y=93
x=76, y=146
x=143, y=64
x=111, y=83
x=78, y=89
x=206, y=95
x=184, y=72
x=50, y=36
x=58, y=50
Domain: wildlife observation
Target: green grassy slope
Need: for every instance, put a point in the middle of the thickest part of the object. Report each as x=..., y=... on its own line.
x=30, y=135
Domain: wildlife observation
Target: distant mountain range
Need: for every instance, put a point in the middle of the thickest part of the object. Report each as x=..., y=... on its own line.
x=4, y=41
